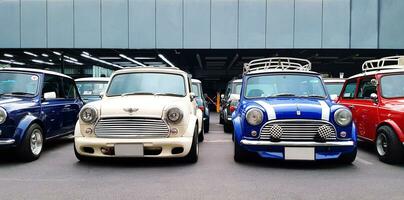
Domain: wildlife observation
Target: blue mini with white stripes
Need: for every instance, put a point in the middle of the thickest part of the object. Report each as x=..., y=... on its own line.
x=285, y=113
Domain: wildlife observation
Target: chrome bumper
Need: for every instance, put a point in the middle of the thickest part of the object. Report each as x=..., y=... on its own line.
x=297, y=144
x=7, y=141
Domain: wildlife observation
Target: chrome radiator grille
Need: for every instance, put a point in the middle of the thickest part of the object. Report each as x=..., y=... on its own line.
x=131, y=127
x=298, y=130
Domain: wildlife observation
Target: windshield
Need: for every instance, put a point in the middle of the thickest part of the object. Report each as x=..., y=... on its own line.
x=196, y=90
x=91, y=88
x=148, y=84
x=12, y=83
x=236, y=88
x=334, y=88
x=284, y=85
x=392, y=86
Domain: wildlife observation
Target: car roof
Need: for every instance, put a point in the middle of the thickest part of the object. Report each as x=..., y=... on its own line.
x=272, y=71
x=334, y=80
x=236, y=81
x=173, y=70
x=376, y=72
x=95, y=79
x=195, y=81
x=35, y=71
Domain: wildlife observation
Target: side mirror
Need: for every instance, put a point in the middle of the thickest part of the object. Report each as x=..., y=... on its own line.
x=102, y=94
x=49, y=95
x=192, y=96
x=334, y=97
x=373, y=96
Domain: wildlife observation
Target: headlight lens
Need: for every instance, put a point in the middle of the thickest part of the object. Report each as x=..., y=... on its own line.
x=343, y=117
x=174, y=115
x=254, y=116
x=88, y=114
x=3, y=115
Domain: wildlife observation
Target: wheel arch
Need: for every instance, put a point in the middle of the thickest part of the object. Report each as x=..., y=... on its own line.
x=394, y=126
x=25, y=123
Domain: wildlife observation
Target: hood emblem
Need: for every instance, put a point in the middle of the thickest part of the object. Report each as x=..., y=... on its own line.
x=131, y=110
x=298, y=113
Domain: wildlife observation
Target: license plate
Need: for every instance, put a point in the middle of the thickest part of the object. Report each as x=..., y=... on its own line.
x=299, y=153
x=129, y=150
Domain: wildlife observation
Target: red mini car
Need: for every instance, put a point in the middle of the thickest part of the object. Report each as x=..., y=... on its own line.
x=376, y=99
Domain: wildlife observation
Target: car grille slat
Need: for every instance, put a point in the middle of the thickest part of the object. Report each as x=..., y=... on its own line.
x=297, y=130
x=128, y=127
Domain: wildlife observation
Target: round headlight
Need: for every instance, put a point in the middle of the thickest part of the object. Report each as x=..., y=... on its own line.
x=174, y=115
x=343, y=117
x=254, y=116
x=88, y=114
x=3, y=115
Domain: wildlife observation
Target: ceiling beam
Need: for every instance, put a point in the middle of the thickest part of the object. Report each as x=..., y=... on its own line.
x=232, y=62
x=198, y=58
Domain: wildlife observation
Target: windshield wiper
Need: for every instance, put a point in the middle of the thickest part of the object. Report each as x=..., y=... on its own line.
x=169, y=94
x=283, y=95
x=137, y=93
x=17, y=93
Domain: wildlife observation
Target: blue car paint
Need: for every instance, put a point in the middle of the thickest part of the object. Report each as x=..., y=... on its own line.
x=22, y=111
x=286, y=108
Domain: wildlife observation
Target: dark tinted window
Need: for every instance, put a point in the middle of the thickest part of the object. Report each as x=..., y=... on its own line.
x=69, y=88
x=53, y=84
x=349, y=91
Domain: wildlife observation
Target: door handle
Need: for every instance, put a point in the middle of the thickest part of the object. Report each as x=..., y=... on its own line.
x=67, y=106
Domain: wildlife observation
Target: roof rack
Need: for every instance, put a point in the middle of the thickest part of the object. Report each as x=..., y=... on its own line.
x=391, y=62
x=277, y=63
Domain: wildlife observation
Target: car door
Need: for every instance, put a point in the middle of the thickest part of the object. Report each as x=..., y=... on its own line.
x=72, y=105
x=366, y=108
x=52, y=107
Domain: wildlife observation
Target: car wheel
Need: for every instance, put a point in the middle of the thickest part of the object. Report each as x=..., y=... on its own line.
x=201, y=136
x=228, y=127
x=192, y=156
x=240, y=154
x=32, y=144
x=348, y=158
x=206, y=125
x=388, y=146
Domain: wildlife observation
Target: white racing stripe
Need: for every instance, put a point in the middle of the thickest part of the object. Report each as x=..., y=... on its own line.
x=269, y=109
x=325, y=111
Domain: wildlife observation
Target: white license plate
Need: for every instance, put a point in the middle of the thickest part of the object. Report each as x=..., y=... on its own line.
x=129, y=150
x=299, y=153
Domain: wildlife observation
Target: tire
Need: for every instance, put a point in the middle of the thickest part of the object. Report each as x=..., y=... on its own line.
x=33, y=136
x=206, y=125
x=192, y=156
x=221, y=121
x=79, y=156
x=388, y=146
x=228, y=127
x=240, y=154
x=348, y=158
x=201, y=136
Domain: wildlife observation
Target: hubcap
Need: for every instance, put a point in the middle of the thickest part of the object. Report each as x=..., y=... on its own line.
x=381, y=144
x=36, y=142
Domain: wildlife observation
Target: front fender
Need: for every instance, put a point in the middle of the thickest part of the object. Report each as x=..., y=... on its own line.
x=395, y=127
x=191, y=126
x=24, y=125
x=199, y=116
x=238, y=128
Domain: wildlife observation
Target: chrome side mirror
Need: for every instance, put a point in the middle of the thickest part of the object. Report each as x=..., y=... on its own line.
x=192, y=96
x=373, y=96
x=49, y=95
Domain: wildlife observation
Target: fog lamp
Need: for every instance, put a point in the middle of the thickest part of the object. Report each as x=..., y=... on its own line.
x=107, y=150
x=174, y=131
x=254, y=133
x=342, y=134
x=89, y=131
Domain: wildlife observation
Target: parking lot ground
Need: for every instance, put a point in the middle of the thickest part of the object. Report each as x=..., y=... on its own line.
x=59, y=175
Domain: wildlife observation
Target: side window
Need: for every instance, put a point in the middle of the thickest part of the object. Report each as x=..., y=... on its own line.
x=366, y=88
x=227, y=93
x=53, y=84
x=349, y=91
x=69, y=88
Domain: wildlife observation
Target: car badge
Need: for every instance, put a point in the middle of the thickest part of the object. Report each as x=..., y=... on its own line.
x=298, y=113
x=131, y=110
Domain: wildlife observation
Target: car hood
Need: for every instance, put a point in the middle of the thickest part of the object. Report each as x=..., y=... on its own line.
x=295, y=108
x=139, y=106
x=14, y=103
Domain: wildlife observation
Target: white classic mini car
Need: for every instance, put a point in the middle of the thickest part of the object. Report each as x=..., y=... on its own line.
x=145, y=112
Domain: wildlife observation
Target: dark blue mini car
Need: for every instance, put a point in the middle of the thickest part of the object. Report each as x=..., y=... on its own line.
x=286, y=113
x=35, y=105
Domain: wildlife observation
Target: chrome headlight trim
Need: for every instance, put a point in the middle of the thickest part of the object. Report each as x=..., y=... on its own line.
x=343, y=117
x=88, y=114
x=3, y=115
x=174, y=115
x=254, y=116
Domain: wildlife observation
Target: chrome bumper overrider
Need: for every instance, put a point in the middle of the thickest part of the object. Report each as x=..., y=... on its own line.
x=7, y=141
x=297, y=144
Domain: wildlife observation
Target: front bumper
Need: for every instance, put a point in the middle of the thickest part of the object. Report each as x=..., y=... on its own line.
x=169, y=146
x=276, y=150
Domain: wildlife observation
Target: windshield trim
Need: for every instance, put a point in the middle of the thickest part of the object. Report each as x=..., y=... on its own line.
x=381, y=87
x=182, y=76
x=269, y=74
x=25, y=73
